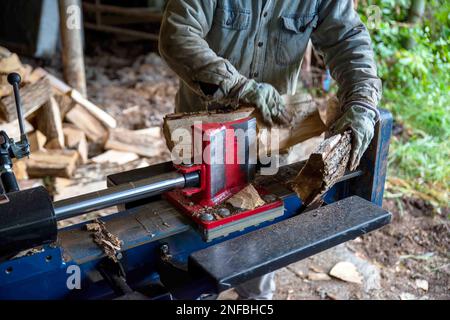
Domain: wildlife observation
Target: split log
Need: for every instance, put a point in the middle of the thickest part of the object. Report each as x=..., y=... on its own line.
x=325, y=166
x=247, y=199
x=101, y=115
x=78, y=98
x=305, y=123
x=48, y=121
x=12, y=129
x=75, y=139
x=20, y=169
x=116, y=157
x=87, y=123
x=37, y=141
x=65, y=103
x=33, y=96
x=58, y=163
x=146, y=145
x=176, y=121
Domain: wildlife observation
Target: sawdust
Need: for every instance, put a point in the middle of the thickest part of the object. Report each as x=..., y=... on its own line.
x=109, y=243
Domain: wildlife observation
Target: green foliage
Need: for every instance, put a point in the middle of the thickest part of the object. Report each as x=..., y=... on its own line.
x=416, y=87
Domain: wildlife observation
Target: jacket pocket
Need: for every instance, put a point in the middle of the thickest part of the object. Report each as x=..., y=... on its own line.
x=234, y=19
x=293, y=37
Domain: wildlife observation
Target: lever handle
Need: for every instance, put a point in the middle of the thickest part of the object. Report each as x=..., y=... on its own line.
x=14, y=80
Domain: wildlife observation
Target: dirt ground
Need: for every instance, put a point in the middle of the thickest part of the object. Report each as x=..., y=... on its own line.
x=408, y=259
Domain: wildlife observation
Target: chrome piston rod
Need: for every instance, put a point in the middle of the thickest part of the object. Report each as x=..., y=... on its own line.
x=128, y=192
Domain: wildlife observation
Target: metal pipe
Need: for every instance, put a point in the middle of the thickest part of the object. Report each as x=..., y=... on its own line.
x=123, y=193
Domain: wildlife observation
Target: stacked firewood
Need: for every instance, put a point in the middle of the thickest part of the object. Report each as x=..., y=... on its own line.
x=64, y=128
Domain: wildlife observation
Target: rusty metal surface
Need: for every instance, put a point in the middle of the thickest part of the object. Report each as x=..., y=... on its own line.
x=268, y=249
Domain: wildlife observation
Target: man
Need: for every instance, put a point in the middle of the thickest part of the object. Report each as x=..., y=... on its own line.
x=228, y=51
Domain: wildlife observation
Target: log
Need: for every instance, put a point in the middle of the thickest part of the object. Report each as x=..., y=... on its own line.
x=48, y=121
x=116, y=157
x=20, y=169
x=58, y=163
x=185, y=121
x=64, y=89
x=101, y=115
x=305, y=123
x=75, y=139
x=146, y=145
x=37, y=141
x=325, y=166
x=87, y=123
x=65, y=103
x=12, y=129
x=33, y=96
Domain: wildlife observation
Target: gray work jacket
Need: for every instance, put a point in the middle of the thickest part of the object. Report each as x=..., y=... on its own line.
x=218, y=41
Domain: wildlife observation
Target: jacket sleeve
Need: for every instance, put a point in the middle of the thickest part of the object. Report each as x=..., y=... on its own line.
x=346, y=46
x=182, y=45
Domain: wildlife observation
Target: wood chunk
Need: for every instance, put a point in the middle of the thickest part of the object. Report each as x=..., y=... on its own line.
x=37, y=141
x=185, y=121
x=49, y=122
x=324, y=167
x=117, y=157
x=87, y=123
x=65, y=103
x=76, y=139
x=67, y=188
x=12, y=129
x=305, y=123
x=101, y=115
x=58, y=163
x=63, y=88
x=143, y=144
x=9, y=63
x=20, y=169
x=247, y=199
x=33, y=96
x=347, y=272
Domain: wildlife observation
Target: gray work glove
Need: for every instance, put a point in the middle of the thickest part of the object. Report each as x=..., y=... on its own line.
x=266, y=98
x=361, y=121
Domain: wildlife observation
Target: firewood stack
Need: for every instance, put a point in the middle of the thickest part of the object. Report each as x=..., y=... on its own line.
x=64, y=128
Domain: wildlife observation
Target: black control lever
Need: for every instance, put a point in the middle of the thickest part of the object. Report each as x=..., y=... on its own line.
x=10, y=149
x=14, y=80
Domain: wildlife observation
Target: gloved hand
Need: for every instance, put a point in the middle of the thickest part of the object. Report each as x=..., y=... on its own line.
x=266, y=98
x=361, y=121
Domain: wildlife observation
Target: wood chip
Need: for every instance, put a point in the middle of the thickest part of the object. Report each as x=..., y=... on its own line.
x=316, y=276
x=109, y=242
x=422, y=284
x=347, y=272
x=247, y=199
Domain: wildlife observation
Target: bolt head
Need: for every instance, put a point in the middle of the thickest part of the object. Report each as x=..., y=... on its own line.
x=207, y=217
x=224, y=212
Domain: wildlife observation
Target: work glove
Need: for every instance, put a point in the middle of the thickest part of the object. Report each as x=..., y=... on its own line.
x=361, y=121
x=266, y=99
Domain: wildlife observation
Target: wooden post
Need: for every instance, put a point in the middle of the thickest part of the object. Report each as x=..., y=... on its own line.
x=71, y=23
